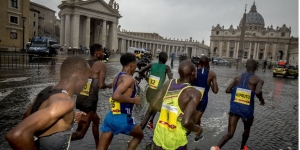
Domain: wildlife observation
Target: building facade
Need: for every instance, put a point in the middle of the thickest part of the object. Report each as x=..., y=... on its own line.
x=260, y=42
x=293, y=51
x=42, y=21
x=14, y=16
x=97, y=22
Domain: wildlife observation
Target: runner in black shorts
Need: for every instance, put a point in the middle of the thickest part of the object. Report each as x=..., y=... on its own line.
x=88, y=98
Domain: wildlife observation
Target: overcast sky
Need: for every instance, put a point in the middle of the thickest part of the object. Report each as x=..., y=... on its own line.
x=194, y=18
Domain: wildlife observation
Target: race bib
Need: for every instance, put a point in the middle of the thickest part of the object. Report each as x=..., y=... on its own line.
x=115, y=106
x=168, y=117
x=242, y=96
x=201, y=89
x=153, y=82
x=86, y=89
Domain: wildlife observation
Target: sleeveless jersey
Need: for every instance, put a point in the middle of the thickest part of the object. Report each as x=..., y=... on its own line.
x=169, y=133
x=157, y=76
x=121, y=108
x=201, y=82
x=242, y=98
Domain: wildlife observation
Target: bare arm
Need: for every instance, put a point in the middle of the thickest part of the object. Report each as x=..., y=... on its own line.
x=122, y=88
x=233, y=83
x=157, y=102
x=21, y=136
x=189, y=111
x=142, y=71
x=102, y=74
x=169, y=72
x=258, y=91
x=214, y=86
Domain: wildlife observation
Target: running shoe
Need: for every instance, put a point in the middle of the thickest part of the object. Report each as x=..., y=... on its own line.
x=245, y=148
x=150, y=126
x=215, y=148
x=198, y=138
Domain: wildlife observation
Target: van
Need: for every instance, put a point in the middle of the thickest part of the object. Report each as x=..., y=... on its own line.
x=41, y=45
x=135, y=50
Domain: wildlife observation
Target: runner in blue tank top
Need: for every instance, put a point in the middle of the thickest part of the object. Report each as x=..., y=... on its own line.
x=243, y=90
x=205, y=79
x=119, y=120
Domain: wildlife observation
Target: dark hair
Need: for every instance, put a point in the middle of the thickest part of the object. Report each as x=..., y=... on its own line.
x=163, y=57
x=127, y=58
x=95, y=47
x=72, y=65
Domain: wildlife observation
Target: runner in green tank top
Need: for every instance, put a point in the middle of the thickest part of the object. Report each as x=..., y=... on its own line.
x=177, y=102
x=156, y=80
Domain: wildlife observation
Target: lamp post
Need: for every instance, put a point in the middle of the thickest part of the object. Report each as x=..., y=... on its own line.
x=24, y=19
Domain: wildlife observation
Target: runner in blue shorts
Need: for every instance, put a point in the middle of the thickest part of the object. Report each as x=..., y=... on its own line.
x=119, y=120
x=205, y=79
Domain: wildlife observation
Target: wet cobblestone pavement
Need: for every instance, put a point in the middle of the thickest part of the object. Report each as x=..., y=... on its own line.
x=275, y=125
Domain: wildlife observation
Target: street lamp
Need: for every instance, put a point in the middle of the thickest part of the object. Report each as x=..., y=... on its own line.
x=24, y=19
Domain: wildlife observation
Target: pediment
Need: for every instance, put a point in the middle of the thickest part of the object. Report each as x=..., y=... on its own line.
x=97, y=5
x=92, y=5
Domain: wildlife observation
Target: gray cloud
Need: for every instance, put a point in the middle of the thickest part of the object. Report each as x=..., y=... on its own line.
x=194, y=18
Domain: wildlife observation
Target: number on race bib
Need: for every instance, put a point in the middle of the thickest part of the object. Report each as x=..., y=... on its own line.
x=86, y=89
x=115, y=106
x=168, y=117
x=153, y=82
x=242, y=96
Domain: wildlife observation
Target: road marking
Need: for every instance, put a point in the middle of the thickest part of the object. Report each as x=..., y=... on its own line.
x=15, y=79
x=228, y=82
x=5, y=93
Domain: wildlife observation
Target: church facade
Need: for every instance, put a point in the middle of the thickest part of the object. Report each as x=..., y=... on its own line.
x=260, y=42
x=95, y=21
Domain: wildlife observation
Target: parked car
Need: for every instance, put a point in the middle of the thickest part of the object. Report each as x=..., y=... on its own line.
x=220, y=61
x=41, y=45
x=195, y=60
x=285, y=70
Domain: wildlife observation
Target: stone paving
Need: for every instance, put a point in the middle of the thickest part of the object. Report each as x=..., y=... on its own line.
x=275, y=125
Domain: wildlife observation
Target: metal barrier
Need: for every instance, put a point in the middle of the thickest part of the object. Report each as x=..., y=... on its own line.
x=10, y=61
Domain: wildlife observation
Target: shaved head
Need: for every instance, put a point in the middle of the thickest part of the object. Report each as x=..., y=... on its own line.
x=251, y=65
x=187, y=70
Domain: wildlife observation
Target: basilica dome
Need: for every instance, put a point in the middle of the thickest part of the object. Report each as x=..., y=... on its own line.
x=254, y=18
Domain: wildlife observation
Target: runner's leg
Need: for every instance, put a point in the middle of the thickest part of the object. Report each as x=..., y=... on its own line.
x=232, y=122
x=105, y=140
x=138, y=135
x=247, y=125
x=95, y=127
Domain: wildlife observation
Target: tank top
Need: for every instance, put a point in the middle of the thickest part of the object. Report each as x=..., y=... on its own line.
x=121, y=108
x=242, y=98
x=51, y=141
x=157, y=76
x=90, y=89
x=169, y=133
x=201, y=82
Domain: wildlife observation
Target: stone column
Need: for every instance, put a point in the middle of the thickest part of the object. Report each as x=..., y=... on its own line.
x=67, y=30
x=265, y=51
x=255, y=51
x=274, y=55
x=87, y=32
x=62, y=30
x=75, y=30
x=113, y=36
x=227, y=51
x=103, y=33
x=221, y=49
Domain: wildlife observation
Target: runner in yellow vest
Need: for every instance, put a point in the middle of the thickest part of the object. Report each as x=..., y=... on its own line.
x=177, y=103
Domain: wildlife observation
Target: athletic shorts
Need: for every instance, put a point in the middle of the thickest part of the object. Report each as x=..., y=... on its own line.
x=202, y=106
x=150, y=94
x=243, y=118
x=121, y=123
x=87, y=103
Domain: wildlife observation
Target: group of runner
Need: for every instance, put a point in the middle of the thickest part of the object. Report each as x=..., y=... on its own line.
x=181, y=102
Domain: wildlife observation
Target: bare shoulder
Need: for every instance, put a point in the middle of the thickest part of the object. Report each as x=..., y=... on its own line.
x=212, y=73
x=61, y=100
x=256, y=79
